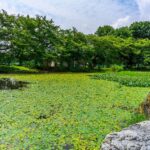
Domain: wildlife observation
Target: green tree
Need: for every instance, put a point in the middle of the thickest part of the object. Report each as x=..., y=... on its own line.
x=105, y=30
x=123, y=32
x=140, y=29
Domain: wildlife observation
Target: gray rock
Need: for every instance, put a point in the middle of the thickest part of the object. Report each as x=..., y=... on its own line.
x=9, y=83
x=135, y=137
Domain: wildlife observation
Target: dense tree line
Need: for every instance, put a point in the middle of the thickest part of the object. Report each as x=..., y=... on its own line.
x=39, y=43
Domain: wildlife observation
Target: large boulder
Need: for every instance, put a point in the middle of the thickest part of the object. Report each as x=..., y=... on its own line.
x=135, y=137
x=9, y=83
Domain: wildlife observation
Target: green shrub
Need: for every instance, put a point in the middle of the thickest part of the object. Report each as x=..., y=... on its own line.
x=127, y=80
x=116, y=68
x=16, y=69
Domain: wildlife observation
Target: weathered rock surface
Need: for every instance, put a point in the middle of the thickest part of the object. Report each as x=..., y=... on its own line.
x=9, y=83
x=135, y=137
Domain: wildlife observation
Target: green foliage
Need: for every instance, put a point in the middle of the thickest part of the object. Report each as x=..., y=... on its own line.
x=140, y=29
x=127, y=80
x=57, y=111
x=123, y=32
x=16, y=69
x=105, y=30
x=38, y=43
x=116, y=68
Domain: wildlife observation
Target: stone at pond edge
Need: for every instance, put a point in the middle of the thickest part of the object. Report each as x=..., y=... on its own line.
x=9, y=83
x=135, y=137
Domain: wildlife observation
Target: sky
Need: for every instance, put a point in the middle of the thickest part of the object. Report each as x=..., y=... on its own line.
x=85, y=15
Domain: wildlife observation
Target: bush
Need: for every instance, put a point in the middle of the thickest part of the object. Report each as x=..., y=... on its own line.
x=133, y=81
x=16, y=69
x=116, y=68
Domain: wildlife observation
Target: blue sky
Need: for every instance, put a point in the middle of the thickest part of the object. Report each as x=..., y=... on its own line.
x=85, y=15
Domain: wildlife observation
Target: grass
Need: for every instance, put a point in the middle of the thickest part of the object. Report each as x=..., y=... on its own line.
x=66, y=111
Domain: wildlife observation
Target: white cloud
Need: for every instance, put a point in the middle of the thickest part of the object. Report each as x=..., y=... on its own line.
x=85, y=15
x=122, y=22
x=144, y=9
